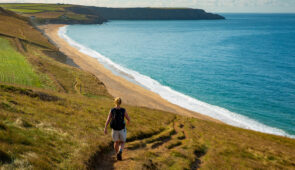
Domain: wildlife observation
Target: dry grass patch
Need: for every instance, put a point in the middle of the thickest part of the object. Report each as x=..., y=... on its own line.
x=20, y=27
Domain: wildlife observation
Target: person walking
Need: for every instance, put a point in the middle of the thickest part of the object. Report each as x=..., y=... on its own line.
x=117, y=122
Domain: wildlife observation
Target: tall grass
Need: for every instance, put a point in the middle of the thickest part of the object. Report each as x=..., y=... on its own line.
x=14, y=67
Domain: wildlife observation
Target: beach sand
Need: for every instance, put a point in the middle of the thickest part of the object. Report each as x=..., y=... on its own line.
x=130, y=93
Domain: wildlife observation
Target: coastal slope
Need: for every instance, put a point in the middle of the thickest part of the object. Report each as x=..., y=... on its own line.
x=52, y=116
x=77, y=14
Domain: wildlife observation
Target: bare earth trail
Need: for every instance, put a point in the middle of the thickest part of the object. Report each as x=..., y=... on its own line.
x=145, y=153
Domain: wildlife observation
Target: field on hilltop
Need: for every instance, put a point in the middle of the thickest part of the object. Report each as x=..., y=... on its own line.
x=52, y=116
x=78, y=14
x=52, y=13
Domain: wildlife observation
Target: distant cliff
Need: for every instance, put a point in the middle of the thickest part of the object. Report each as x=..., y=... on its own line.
x=146, y=13
x=77, y=14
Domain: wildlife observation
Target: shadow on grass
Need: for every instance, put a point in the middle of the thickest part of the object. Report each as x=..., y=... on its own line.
x=4, y=158
x=199, y=152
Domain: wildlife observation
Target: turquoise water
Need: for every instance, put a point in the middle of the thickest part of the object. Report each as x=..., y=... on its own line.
x=240, y=70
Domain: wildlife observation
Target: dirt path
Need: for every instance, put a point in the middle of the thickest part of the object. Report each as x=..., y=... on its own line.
x=139, y=153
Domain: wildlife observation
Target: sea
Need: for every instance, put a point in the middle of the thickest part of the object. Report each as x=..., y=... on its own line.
x=240, y=70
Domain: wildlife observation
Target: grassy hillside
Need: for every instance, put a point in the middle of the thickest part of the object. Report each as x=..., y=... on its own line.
x=59, y=124
x=53, y=13
x=19, y=27
x=14, y=68
x=53, y=130
x=77, y=14
x=34, y=8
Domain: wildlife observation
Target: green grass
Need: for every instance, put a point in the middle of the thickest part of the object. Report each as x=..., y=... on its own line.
x=62, y=127
x=14, y=68
x=45, y=11
x=13, y=5
x=34, y=8
x=25, y=10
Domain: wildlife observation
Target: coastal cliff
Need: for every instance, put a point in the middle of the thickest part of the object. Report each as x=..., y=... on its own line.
x=77, y=14
x=146, y=13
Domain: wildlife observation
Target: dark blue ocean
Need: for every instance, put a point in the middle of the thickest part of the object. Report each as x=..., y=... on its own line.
x=240, y=70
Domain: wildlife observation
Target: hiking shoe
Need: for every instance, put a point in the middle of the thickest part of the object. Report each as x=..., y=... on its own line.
x=119, y=156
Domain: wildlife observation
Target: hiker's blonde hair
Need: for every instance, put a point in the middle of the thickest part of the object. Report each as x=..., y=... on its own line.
x=118, y=101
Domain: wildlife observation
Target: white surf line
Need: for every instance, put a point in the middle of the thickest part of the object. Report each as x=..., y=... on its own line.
x=176, y=97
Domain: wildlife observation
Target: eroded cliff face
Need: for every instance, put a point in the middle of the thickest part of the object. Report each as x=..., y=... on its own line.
x=146, y=13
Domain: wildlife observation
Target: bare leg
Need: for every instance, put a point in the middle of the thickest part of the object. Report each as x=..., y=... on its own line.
x=119, y=154
x=122, y=146
x=116, y=146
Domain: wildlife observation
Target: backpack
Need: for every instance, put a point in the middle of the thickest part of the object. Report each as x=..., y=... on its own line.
x=117, y=122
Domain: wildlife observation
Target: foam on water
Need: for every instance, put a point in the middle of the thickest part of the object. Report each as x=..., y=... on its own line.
x=176, y=97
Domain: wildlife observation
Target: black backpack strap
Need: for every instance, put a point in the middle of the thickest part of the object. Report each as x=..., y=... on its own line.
x=114, y=113
x=123, y=111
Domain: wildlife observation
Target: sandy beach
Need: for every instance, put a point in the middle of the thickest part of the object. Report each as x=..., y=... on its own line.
x=131, y=93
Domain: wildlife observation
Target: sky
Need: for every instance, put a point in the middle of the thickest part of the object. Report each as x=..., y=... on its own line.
x=254, y=6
